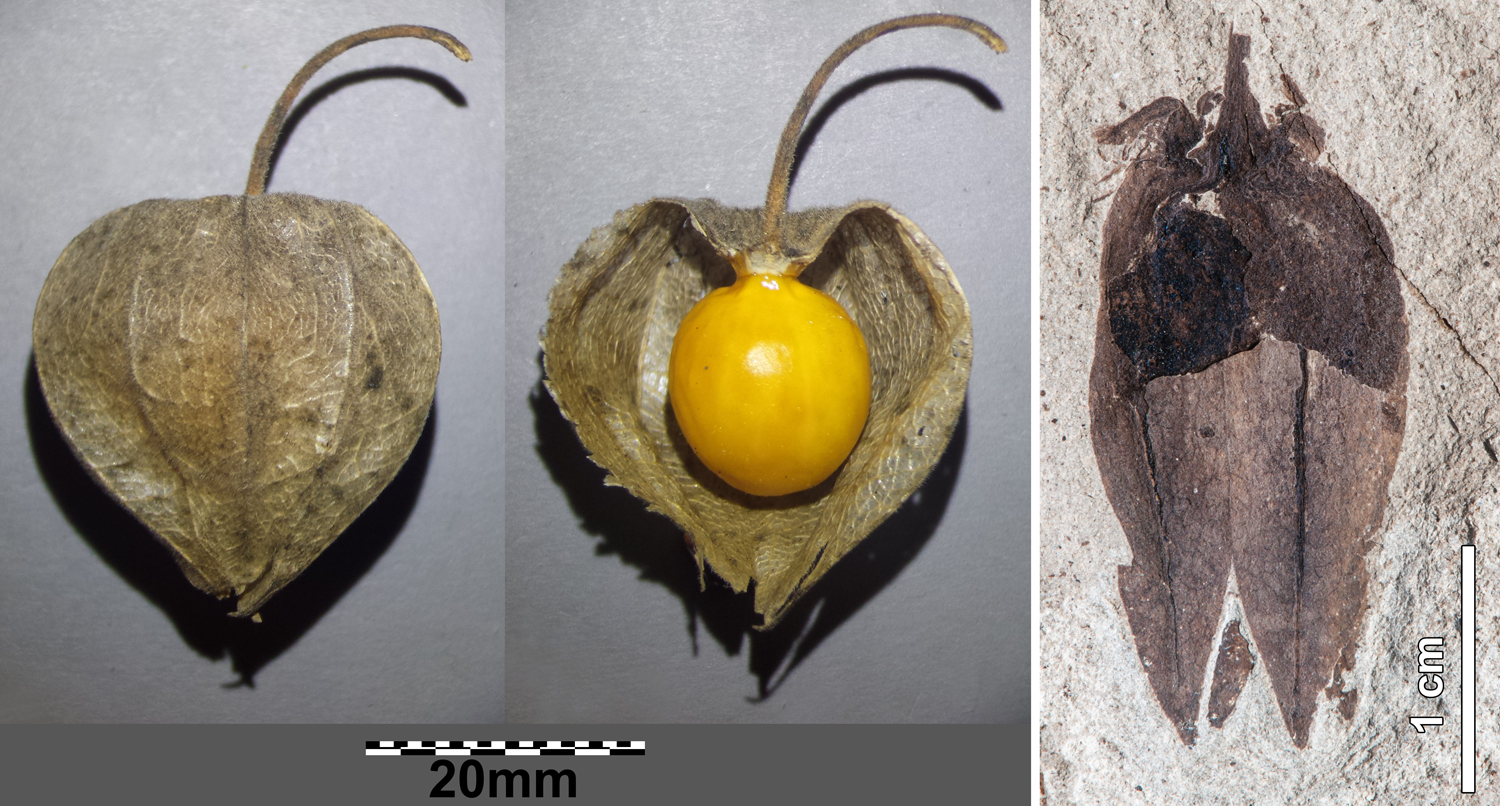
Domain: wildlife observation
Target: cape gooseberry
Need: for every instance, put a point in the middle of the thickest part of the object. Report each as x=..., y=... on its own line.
x=732, y=410
x=245, y=374
x=770, y=380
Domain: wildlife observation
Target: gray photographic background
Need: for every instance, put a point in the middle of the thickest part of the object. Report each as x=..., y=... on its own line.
x=613, y=103
x=108, y=104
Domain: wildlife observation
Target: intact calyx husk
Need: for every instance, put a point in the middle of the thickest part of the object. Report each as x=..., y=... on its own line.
x=613, y=314
x=237, y=376
x=245, y=374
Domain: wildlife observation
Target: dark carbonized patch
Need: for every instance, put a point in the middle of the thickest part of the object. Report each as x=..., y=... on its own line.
x=1182, y=306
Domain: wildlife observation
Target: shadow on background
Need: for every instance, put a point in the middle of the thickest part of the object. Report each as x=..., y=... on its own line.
x=860, y=574
x=639, y=537
x=657, y=546
x=316, y=96
x=204, y=622
x=854, y=89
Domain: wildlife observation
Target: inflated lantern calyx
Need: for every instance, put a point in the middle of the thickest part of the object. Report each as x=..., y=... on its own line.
x=243, y=373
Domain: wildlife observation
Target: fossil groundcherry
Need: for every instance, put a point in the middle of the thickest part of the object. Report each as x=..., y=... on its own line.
x=777, y=421
x=1247, y=399
x=245, y=374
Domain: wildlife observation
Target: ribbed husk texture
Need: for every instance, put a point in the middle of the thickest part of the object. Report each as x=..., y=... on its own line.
x=244, y=374
x=615, y=309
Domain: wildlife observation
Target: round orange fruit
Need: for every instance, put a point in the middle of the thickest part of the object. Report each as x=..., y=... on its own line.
x=770, y=382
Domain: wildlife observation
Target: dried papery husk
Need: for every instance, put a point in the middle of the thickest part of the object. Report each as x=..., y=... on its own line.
x=613, y=314
x=245, y=374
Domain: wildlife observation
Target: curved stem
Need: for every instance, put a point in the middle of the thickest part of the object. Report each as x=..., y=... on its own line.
x=260, y=163
x=781, y=171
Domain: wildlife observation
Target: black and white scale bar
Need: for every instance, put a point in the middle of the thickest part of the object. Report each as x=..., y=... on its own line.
x=503, y=748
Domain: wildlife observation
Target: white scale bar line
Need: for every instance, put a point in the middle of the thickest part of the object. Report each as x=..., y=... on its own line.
x=1467, y=715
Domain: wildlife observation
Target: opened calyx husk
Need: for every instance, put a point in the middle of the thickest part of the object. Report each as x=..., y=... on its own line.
x=615, y=308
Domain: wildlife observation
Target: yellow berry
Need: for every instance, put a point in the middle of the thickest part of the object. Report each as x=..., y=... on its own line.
x=770, y=383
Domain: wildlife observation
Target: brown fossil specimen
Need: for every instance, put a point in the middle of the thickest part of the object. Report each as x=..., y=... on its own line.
x=244, y=373
x=615, y=310
x=1248, y=396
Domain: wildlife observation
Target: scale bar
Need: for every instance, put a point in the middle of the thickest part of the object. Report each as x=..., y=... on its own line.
x=1467, y=715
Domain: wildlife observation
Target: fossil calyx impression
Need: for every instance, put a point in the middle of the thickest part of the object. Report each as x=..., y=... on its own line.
x=245, y=374
x=1248, y=397
x=613, y=318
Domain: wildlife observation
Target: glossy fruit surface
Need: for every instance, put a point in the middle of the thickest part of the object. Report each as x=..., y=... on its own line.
x=770, y=383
